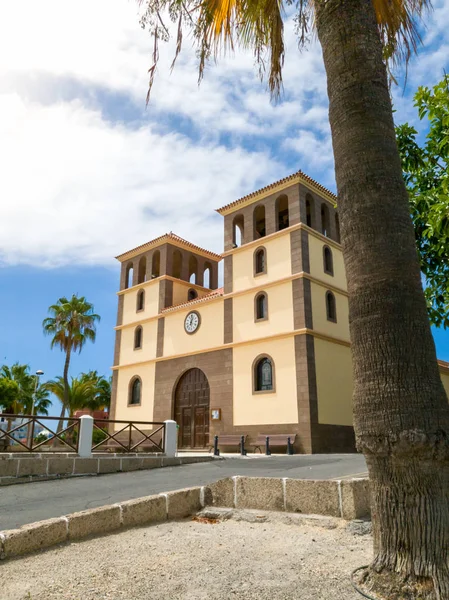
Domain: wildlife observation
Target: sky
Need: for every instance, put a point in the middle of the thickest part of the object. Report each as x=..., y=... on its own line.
x=88, y=171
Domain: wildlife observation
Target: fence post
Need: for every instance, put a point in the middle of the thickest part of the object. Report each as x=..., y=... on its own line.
x=171, y=438
x=85, y=436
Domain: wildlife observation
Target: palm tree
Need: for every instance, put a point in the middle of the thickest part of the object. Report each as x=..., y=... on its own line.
x=72, y=324
x=81, y=393
x=102, y=386
x=401, y=412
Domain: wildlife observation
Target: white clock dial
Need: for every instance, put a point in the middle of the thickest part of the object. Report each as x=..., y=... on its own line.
x=192, y=322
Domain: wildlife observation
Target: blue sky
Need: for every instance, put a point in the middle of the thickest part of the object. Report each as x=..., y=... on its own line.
x=88, y=172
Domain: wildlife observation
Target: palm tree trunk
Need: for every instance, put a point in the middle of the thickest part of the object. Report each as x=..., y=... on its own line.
x=401, y=412
x=66, y=401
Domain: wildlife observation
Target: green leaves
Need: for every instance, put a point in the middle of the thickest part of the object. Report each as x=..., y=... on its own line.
x=89, y=390
x=25, y=385
x=426, y=173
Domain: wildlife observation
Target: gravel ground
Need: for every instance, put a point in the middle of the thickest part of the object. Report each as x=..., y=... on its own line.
x=248, y=554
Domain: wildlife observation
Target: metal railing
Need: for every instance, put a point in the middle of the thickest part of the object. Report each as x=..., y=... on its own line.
x=12, y=434
x=130, y=437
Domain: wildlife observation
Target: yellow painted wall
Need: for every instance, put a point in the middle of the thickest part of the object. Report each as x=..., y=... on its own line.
x=144, y=412
x=209, y=334
x=334, y=383
x=151, y=303
x=280, y=313
x=149, y=341
x=339, y=329
x=268, y=408
x=278, y=263
x=181, y=290
x=316, y=263
x=445, y=380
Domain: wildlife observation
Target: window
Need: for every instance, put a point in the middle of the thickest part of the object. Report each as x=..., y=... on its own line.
x=140, y=300
x=260, y=262
x=129, y=276
x=282, y=219
x=138, y=338
x=191, y=295
x=261, y=307
x=309, y=210
x=263, y=375
x=259, y=222
x=237, y=231
x=135, y=391
x=331, y=309
x=193, y=268
x=142, y=270
x=328, y=261
x=325, y=220
x=337, y=228
x=156, y=264
x=177, y=264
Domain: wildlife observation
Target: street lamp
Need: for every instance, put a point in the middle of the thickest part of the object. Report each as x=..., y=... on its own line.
x=36, y=385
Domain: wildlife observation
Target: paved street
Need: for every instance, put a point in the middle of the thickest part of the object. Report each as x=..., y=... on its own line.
x=26, y=503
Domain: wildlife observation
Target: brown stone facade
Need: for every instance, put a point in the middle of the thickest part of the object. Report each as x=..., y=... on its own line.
x=228, y=326
x=217, y=366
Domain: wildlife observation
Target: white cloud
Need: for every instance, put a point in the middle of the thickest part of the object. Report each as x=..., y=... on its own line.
x=81, y=182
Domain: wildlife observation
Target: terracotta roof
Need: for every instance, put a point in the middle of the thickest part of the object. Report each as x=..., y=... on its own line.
x=267, y=188
x=213, y=294
x=443, y=363
x=167, y=237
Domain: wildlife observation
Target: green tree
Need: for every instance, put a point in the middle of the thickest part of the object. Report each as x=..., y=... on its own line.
x=81, y=394
x=9, y=395
x=72, y=324
x=102, y=386
x=401, y=412
x=426, y=173
x=26, y=384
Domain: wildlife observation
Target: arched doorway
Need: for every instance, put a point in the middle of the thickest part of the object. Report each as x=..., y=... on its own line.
x=192, y=399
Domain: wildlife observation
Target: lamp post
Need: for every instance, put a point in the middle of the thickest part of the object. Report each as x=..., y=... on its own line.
x=30, y=426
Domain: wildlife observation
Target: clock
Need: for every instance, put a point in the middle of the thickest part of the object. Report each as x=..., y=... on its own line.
x=192, y=322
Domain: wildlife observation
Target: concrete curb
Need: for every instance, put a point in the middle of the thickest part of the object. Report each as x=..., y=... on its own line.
x=347, y=499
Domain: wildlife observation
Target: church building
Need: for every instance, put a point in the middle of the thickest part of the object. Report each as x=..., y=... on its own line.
x=267, y=353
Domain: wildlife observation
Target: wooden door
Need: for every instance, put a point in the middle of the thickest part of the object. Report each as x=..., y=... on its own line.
x=192, y=400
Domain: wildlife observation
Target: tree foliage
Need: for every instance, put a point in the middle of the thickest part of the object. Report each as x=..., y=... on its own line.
x=217, y=26
x=426, y=172
x=88, y=391
x=9, y=393
x=25, y=390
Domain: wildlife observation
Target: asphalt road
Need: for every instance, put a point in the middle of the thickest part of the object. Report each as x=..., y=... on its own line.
x=30, y=502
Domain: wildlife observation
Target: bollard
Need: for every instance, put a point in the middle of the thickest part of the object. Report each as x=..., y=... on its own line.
x=85, y=436
x=289, y=447
x=170, y=439
x=216, y=450
x=267, y=446
x=242, y=446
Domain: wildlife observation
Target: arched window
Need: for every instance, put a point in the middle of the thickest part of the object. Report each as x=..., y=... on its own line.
x=260, y=261
x=328, y=261
x=206, y=274
x=193, y=268
x=138, y=338
x=337, y=228
x=259, y=222
x=237, y=231
x=261, y=307
x=135, y=391
x=140, y=300
x=191, y=295
x=177, y=264
x=325, y=220
x=309, y=210
x=142, y=270
x=282, y=220
x=263, y=374
x=129, y=276
x=331, y=308
x=156, y=264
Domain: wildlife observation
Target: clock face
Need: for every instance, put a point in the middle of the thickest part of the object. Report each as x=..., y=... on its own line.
x=192, y=322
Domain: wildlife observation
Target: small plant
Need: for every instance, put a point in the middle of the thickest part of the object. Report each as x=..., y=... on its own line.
x=98, y=435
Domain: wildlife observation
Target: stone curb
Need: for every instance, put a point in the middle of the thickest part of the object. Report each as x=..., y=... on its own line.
x=29, y=468
x=347, y=499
